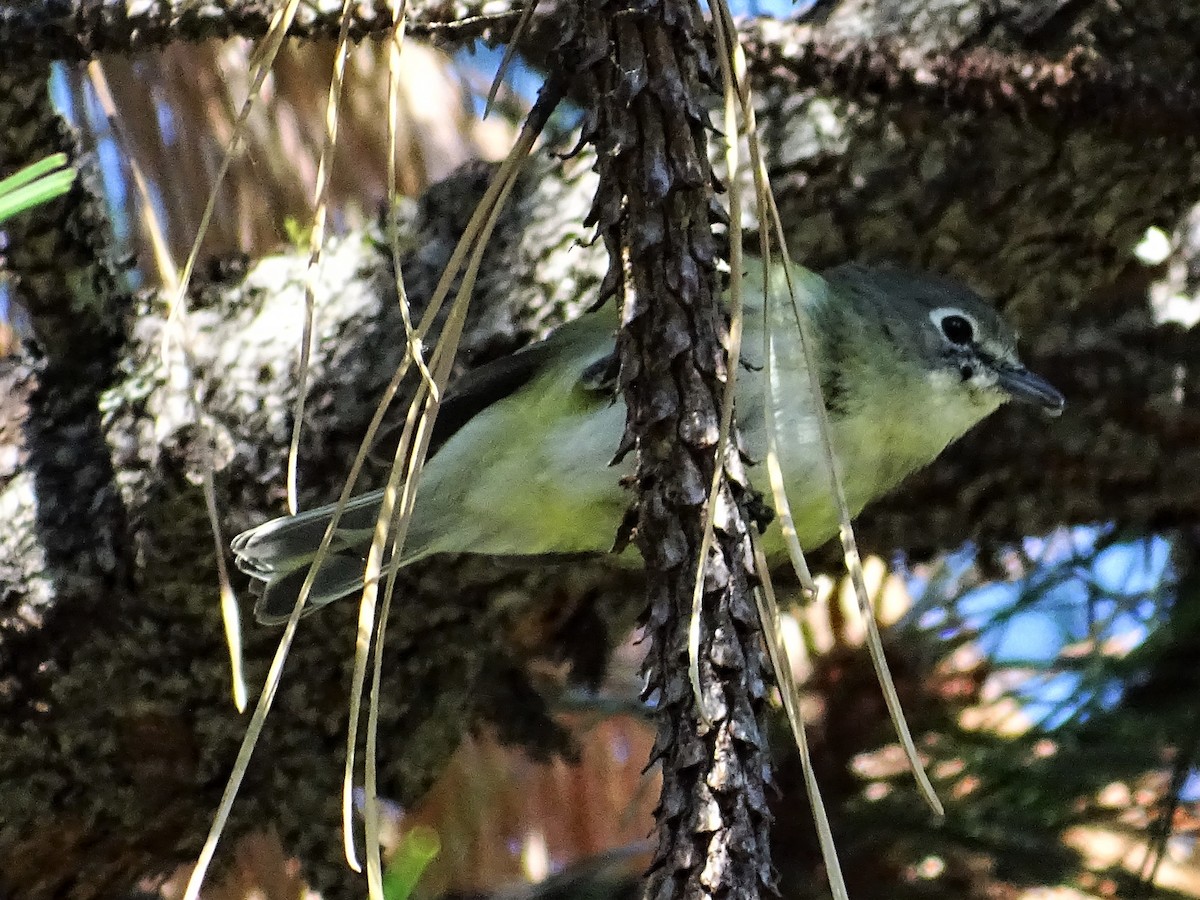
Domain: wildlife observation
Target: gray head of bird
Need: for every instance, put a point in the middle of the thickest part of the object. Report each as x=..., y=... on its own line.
x=965, y=350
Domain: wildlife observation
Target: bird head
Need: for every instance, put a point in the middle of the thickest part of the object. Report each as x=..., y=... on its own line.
x=962, y=346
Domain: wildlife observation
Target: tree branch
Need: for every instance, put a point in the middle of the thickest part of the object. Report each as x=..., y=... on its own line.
x=647, y=73
x=117, y=729
x=81, y=30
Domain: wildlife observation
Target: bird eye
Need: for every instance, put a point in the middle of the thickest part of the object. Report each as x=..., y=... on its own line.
x=957, y=329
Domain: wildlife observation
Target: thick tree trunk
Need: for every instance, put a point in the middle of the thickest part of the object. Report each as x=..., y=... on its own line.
x=1025, y=154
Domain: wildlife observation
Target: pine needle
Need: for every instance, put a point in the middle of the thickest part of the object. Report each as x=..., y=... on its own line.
x=851, y=556
x=396, y=518
x=264, y=55
x=156, y=234
x=510, y=50
x=415, y=351
x=395, y=45
x=316, y=245
x=733, y=136
x=768, y=613
x=474, y=239
x=850, y=550
x=230, y=613
x=274, y=674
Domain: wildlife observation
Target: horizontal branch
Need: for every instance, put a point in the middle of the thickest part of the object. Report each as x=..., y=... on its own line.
x=81, y=30
x=1093, y=65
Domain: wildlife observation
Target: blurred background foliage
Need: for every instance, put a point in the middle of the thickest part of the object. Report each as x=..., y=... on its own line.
x=175, y=115
x=1052, y=685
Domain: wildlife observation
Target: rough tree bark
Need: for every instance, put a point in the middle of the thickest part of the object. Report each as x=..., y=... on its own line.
x=646, y=75
x=1025, y=153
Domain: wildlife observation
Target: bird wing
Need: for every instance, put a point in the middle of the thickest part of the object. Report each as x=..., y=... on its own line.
x=278, y=552
x=479, y=388
x=476, y=390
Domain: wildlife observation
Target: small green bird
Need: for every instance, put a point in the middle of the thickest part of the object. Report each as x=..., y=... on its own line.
x=520, y=459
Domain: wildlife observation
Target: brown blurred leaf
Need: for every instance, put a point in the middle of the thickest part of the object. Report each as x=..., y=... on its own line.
x=178, y=110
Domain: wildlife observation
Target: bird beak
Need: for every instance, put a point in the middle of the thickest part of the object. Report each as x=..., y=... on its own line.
x=1026, y=387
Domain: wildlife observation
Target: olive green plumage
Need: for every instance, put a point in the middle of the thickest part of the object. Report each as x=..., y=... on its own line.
x=908, y=362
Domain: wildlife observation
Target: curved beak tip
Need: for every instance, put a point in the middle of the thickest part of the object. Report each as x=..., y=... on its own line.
x=1055, y=410
x=1026, y=387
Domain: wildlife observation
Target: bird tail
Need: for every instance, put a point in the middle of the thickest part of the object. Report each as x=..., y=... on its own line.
x=340, y=575
x=278, y=554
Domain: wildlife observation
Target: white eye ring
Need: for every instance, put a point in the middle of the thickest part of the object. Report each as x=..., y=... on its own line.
x=955, y=325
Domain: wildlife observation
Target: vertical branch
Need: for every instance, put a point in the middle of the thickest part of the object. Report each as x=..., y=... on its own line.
x=646, y=71
x=73, y=297
x=70, y=293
